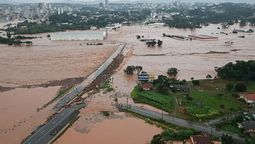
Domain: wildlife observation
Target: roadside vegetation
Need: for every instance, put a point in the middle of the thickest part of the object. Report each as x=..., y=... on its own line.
x=106, y=85
x=170, y=131
x=169, y=134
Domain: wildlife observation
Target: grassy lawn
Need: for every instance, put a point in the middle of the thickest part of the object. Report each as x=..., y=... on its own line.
x=161, y=101
x=251, y=86
x=231, y=128
x=209, y=100
x=206, y=101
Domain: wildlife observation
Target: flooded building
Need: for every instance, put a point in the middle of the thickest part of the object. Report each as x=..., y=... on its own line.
x=79, y=35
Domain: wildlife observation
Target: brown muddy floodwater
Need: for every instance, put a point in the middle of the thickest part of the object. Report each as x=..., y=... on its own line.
x=192, y=58
x=18, y=110
x=113, y=131
x=50, y=60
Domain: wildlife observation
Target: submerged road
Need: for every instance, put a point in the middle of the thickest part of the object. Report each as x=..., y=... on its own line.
x=49, y=131
x=74, y=92
x=177, y=121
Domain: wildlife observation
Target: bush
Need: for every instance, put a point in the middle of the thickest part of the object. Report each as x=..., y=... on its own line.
x=172, y=135
x=172, y=71
x=157, y=139
x=240, y=87
x=229, y=87
x=196, y=82
x=106, y=113
x=208, y=76
x=129, y=70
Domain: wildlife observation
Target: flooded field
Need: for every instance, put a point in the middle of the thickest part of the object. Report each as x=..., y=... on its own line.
x=18, y=110
x=50, y=60
x=192, y=58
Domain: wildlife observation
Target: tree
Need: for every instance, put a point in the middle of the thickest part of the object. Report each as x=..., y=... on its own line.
x=172, y=72
x=225, y=139
x=241, y=70
x=229, y=87
x=160, y=43
x=157, y=140
x=196, y=82
x=208, y=76
x=8, y=35
x=240, y=87
x=138, y=69
x=129, y=70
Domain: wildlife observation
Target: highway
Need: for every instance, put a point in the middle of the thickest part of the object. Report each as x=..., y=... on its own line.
x=177, y=121
x=79, y=88
x=47, y=132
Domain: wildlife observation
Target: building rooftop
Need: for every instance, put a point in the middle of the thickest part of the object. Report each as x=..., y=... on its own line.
x=201, y=140
x=249, y=125
x=249, y=96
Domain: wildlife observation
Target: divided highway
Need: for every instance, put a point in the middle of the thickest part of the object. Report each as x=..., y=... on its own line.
x=79, y=88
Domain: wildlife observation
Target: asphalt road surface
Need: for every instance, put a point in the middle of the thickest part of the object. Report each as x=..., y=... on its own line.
x=78, y=89
x=180, y=122
x=47, y=132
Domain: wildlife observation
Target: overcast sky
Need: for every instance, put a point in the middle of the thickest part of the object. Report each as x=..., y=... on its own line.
x=70, y=1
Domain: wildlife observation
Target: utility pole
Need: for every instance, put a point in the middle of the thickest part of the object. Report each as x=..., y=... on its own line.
x=162, y=114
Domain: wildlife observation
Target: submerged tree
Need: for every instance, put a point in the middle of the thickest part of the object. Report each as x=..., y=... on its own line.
x=172, y=71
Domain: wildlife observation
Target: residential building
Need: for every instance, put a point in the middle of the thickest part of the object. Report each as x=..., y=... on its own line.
x=248, y=97
x=248, y=126
x=147, y=86
x=143, y=76
x=201, y=140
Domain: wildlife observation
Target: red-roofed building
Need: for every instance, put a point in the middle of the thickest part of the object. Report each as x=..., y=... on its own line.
x=147, y=86
x=201, y=140
x=248, y=97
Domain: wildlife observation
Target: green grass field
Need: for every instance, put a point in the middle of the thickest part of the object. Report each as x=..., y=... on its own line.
x=210, y=99
x=207, y=101
x=161, y=101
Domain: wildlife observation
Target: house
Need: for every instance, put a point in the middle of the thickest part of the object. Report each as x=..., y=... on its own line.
x=143, y=77
x=201, y=140
x=248, y=126
x=147, y=86
x=248, y=97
